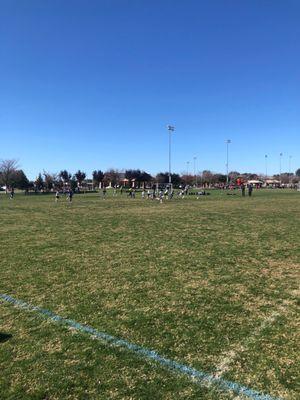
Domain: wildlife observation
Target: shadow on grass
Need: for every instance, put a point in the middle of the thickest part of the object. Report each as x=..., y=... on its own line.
x=4, y=337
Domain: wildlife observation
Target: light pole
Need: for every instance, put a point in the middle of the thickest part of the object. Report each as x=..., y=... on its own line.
x=280, y=157
x=266, y=164
x=195, y=159
x=170, y=130
x=290, y=161
x=228, y=141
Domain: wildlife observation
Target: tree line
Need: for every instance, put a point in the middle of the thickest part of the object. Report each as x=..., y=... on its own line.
x=11, y=176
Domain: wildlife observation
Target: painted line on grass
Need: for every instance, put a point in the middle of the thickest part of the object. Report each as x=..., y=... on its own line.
x=196, y=376
x=232, y=354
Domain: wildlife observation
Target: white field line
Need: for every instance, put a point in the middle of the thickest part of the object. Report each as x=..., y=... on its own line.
x=199, y=377
x=232, y=354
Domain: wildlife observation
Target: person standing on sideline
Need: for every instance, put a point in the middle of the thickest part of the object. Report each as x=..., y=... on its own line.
x=12, y=193
x=56, y=196
x=250, y=189
x=154, y=188
x=70, y=195
x=243, y=190
x=104, y=192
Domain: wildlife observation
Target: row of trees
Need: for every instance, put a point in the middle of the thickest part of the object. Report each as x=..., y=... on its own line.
x=12, y=176
x=49, y=181
x=111, y=177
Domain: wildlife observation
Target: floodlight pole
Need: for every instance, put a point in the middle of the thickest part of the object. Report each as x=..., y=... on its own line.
x=170, y=130
x=266, y=164
x=228, y=141
x=195, y=158
x=280, y=157
x=290, y=160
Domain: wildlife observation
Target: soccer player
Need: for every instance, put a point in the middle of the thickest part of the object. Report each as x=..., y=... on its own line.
x=243, y=190
x=250, y=189
x=161, y=196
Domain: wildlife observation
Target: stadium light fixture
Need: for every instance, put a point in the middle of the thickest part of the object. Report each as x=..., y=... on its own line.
x=187, y=167
x=266, y=164
x=195, y=159
x=170, y=130
x=228, y=141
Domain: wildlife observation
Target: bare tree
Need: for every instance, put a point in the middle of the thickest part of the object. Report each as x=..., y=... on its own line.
x=50, y=180
x=207, y=177
x=7, y=171
x=187, y=179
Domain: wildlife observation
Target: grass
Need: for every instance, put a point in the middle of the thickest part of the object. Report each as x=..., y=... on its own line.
x=196, y=280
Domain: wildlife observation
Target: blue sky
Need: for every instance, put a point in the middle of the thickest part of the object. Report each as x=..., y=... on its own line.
x=93, y=84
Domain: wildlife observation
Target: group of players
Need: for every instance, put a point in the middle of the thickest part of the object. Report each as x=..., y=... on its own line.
x=155, y=193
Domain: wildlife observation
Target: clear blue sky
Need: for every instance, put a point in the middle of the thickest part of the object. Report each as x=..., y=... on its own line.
x=93, y=84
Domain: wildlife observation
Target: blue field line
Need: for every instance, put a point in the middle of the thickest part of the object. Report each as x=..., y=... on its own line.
x=198, y=377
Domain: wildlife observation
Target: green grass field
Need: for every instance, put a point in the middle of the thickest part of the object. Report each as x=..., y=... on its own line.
x=211, y=283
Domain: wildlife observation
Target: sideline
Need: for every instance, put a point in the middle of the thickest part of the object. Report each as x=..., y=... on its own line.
x=196, y=376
